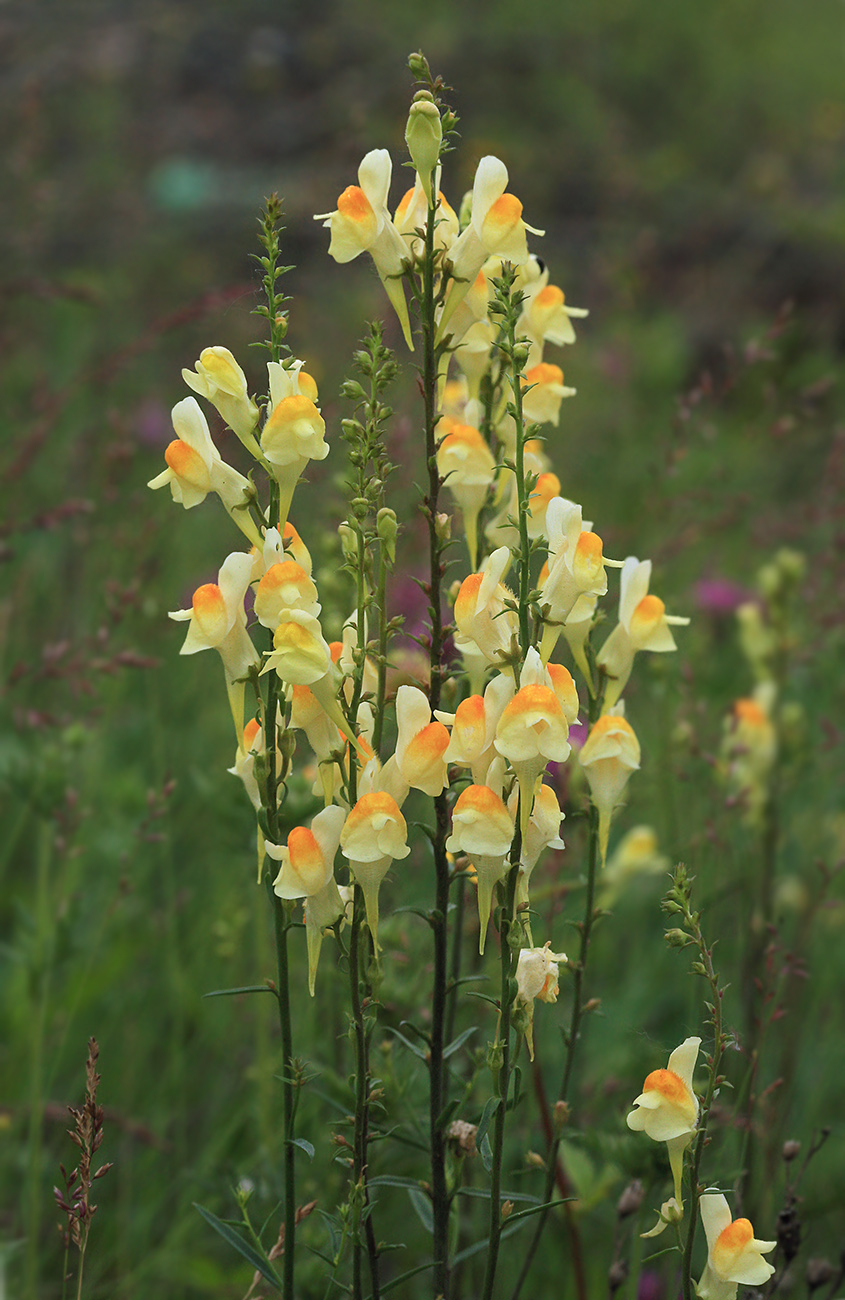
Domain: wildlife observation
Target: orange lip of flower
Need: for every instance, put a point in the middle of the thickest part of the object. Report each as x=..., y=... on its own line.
x=731, y=1241
x=292, y=409
x=404, y=203
x=251, y=730
x=209, y=607
x=308, y=388
x=306, y=858
x=549, y=298
x=588, y=553
x=187, y=464
x=533, y=698
x=750, y=711
x=647, y=614
x=503, y=215
x=481, y=799
x=548, y=486
x=612, y=722
x=429, y=744
x=368, y=806
x=354, y=205
x=468, y=596
x=669, y=1085
x=469, y=717
x=279, y=575
x=544, y=373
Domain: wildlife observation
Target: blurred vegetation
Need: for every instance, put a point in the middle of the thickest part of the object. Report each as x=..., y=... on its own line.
x=687, y=164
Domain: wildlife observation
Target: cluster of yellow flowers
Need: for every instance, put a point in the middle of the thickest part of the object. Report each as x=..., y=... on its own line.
x=667, y=1110
x=517, y=719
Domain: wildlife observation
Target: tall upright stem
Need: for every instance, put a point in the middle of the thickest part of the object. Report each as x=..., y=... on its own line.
x=289, y=1085
x=438, y=915
x=509, y=959
x=576, y=1016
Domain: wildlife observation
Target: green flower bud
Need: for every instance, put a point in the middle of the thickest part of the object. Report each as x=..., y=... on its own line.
x=423, y=136
x=387, y=528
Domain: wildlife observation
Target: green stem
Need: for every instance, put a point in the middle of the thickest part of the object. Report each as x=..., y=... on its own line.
x=438, y=916
x=698, y=1149
x=522, y=496
x=289, y=1085
x=509, y=960
x=579, y=969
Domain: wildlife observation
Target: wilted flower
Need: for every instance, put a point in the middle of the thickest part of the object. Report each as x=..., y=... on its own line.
x=536, y=977
x=734, y=1255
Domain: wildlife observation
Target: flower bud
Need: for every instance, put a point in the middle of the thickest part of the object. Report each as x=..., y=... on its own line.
x=423, y=136
x=387, y=528
x=561, y=1116
x=443, y=527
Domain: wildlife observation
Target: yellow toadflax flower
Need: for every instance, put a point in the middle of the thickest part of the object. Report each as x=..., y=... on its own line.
x=420, y=743
x=667, y=1107
x=307, y=871
x=468, y=467
x=643, y=625
x=374, y=834
x=218, y=622
x=482, y=828
x=362, y=224
x=195, y=468
x=496, y=229
x=734, y=1255
x=219, y=379
x=609, y=755
x=294, y=432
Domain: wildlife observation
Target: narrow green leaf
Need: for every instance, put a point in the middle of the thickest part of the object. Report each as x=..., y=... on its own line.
x=458, y=1042
x=487, y=1114
x=486, y=1152
x=403, y=1277
x=406, y=1042
x=304, y=1146
x=422, y=1205
x=393, y=1180
x=484, y=998
x=483, y=1193
x=249, y=1252
x=245, y=988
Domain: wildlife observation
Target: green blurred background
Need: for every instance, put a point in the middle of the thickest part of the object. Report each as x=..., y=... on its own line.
x=687, y=164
